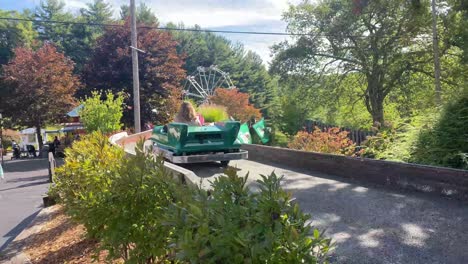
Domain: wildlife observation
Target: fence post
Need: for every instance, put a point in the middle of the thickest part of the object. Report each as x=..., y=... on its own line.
x=52, y=165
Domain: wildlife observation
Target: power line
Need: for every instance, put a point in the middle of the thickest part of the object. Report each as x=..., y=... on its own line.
x=153, y=27
x=188, y=29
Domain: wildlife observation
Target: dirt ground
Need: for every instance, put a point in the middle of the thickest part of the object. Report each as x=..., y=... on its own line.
x=59, y=240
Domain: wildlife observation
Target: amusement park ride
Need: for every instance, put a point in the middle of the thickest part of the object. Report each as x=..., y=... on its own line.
x=181, y=143
x=202, y=83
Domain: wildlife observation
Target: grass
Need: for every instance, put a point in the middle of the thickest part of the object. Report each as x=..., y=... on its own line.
x=213, y=113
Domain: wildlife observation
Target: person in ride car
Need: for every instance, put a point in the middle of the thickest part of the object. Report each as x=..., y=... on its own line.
x=187, y=115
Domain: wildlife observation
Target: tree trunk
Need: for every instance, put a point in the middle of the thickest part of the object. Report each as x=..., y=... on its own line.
x=39, y=138
x=435, y=45
x=375, y=99
x=377, y=112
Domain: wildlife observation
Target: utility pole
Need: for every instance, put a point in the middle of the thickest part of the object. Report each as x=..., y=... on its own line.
x=435, y=46
x=136, y=79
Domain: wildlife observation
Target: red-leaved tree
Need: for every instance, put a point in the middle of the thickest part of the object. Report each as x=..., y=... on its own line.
x=236, y=103
x=42, y=86
x=160, y=70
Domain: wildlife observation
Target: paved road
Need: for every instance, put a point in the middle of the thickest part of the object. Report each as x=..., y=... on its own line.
x=21, y=196
x=369, y=224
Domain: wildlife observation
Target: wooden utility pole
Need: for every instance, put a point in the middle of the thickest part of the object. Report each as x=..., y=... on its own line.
x=435, y=46
x=136, y=79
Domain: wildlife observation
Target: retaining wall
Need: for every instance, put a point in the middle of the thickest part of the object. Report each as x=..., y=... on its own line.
x=444, y=181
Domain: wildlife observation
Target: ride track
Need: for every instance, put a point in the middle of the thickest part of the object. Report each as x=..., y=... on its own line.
x=368, y=223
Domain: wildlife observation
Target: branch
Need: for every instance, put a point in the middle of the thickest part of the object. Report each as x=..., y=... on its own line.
x=336, y=58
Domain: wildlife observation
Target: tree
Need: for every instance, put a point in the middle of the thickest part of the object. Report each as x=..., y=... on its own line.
x=444, y=144
x=14, y=34
x=97, y=12
x=53, y=32
x=161, y=72
x=42, y=85
x=236, y=103
x=102, y=115
x=143, y=13
x=457, y=23
x=379, y=40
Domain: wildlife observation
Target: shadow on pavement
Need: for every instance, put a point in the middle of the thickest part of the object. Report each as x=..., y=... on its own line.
x=383, y=226
x=25, y=165
x=15, y=231
x=26, y=185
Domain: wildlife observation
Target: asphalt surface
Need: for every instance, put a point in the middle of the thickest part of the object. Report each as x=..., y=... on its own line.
x=369, y=224
x=21, y=195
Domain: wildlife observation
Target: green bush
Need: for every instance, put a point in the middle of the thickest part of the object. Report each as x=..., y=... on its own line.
x=138, y=212
x=213, y=113
x=102, y=115
x=135, y=227
x=84, y=182
x=229, y=224
x=446, y=144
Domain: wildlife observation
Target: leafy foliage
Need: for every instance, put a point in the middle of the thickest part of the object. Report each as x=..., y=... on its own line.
x=331, y=141
x=104, y=116
x=369, y=42
x=213, y=113
x=160, y=72
x=137, y=211
x=42, y=85
x=144, y=14
x=231, y=224
x=14, y=34
x=84, y=181
x=236, y=103
x=445, y=144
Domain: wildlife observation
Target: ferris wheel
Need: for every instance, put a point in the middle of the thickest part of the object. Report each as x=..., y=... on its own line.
x=202, y=83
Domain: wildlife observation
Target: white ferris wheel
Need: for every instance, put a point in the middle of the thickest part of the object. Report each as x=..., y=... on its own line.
x=202, y=83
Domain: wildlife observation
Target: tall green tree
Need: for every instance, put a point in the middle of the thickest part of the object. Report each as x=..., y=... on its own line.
x=53, y=32
x=457, y=24
x=97, y=12
x=144, y=14
x=14, y=34
x=380, y=40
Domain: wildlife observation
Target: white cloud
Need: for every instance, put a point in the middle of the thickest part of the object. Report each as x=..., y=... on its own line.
x=242, y=15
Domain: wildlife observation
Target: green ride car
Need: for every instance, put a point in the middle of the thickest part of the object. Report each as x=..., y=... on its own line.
x=182, y=143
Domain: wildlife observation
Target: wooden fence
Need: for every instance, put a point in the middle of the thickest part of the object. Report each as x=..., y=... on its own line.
x=357, y=136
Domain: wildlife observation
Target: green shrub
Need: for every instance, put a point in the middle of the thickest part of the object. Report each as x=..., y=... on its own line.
x=446, y=144
x=135, y=228
x=229, y=224
x=397, y=142
x=102, y=115
x=213, y=113
x=84, y=182
x=138, y=212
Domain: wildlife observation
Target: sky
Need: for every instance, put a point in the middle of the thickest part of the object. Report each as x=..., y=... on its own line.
x=239, y=15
